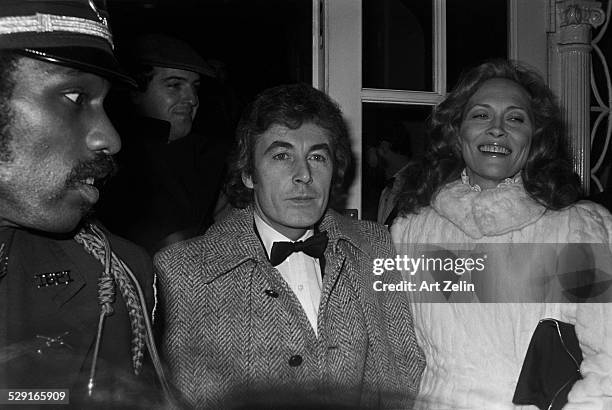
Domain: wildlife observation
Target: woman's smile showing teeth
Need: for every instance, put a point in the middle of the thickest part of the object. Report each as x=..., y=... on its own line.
x=494, y=149
x=495, y=132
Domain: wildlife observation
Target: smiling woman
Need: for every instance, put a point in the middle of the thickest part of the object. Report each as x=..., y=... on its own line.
x=495, y=134
x=487, y=107
x=496, y=172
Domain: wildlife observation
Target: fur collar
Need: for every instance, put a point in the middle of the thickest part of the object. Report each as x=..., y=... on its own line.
x=490, y=212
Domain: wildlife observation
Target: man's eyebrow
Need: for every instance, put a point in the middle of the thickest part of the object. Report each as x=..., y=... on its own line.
x=174, y=78
x=278, y=144
x=76, y=72
x=317, y=147
x=516, y=107
x=57, y=69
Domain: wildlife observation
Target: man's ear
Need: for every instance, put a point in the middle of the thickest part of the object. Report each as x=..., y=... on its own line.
x=247, y=180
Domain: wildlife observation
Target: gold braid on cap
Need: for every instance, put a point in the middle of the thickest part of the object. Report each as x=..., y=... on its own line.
x=45, y=23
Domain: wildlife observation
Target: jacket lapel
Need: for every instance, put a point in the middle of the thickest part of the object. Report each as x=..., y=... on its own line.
x=239, y=244
x=229, y=244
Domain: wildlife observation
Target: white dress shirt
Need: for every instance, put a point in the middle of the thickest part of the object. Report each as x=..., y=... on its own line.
x=301, y=272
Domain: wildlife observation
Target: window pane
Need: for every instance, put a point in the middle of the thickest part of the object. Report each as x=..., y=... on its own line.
x=403, y=126
x=476, y=30
x=397, y=44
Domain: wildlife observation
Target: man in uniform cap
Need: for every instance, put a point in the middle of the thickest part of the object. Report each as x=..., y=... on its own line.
x=72, y=297
x=170, y=177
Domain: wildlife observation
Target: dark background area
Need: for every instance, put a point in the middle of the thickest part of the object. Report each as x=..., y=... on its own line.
x=476, y=30
x=259, y=44
x=262, y=42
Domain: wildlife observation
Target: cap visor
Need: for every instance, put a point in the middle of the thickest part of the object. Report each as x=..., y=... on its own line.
x=91, y=60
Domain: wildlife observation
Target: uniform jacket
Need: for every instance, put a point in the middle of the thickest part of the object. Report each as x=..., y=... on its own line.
x=237, y=336
x=64, y=306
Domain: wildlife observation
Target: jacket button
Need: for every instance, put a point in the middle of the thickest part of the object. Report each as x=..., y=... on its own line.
x=295, y=360
x=271, y=292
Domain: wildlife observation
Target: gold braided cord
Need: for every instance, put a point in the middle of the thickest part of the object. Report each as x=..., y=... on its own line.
x=44, y=23
x=94, y=245
x=106, y=294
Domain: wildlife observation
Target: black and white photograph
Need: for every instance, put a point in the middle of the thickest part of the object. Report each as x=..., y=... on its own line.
x=306, y=204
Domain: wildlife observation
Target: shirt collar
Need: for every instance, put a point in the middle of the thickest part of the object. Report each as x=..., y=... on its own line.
x=270, y=235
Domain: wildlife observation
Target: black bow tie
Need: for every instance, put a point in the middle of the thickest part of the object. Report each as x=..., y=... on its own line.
x=313, y=246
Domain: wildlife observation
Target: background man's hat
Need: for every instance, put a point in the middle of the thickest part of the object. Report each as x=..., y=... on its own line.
x=74, y=33
x=160, y=50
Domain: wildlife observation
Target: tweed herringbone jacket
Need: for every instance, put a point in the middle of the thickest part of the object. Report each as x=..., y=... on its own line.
x=236, y=335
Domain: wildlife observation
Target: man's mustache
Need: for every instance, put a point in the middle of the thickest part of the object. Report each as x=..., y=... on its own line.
x=100, y=168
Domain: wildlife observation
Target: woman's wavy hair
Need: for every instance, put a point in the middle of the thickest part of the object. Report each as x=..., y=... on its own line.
x=290, y=106
x=547, y=175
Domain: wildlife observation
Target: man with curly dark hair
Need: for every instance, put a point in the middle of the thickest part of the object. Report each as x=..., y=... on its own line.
x=275, y=305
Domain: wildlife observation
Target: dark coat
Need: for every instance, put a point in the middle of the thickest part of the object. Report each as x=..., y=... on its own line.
x=35, y=309
x=163, y=190
x=237, y=336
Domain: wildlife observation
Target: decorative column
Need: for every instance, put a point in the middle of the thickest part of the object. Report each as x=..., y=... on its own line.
x=575, y=19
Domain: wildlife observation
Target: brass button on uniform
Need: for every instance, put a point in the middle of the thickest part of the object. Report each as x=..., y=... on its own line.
x=295, y=360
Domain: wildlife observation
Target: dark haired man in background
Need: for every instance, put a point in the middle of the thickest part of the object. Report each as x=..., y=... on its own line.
x=170, y=177
x=274, y=306
x=72, y=314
